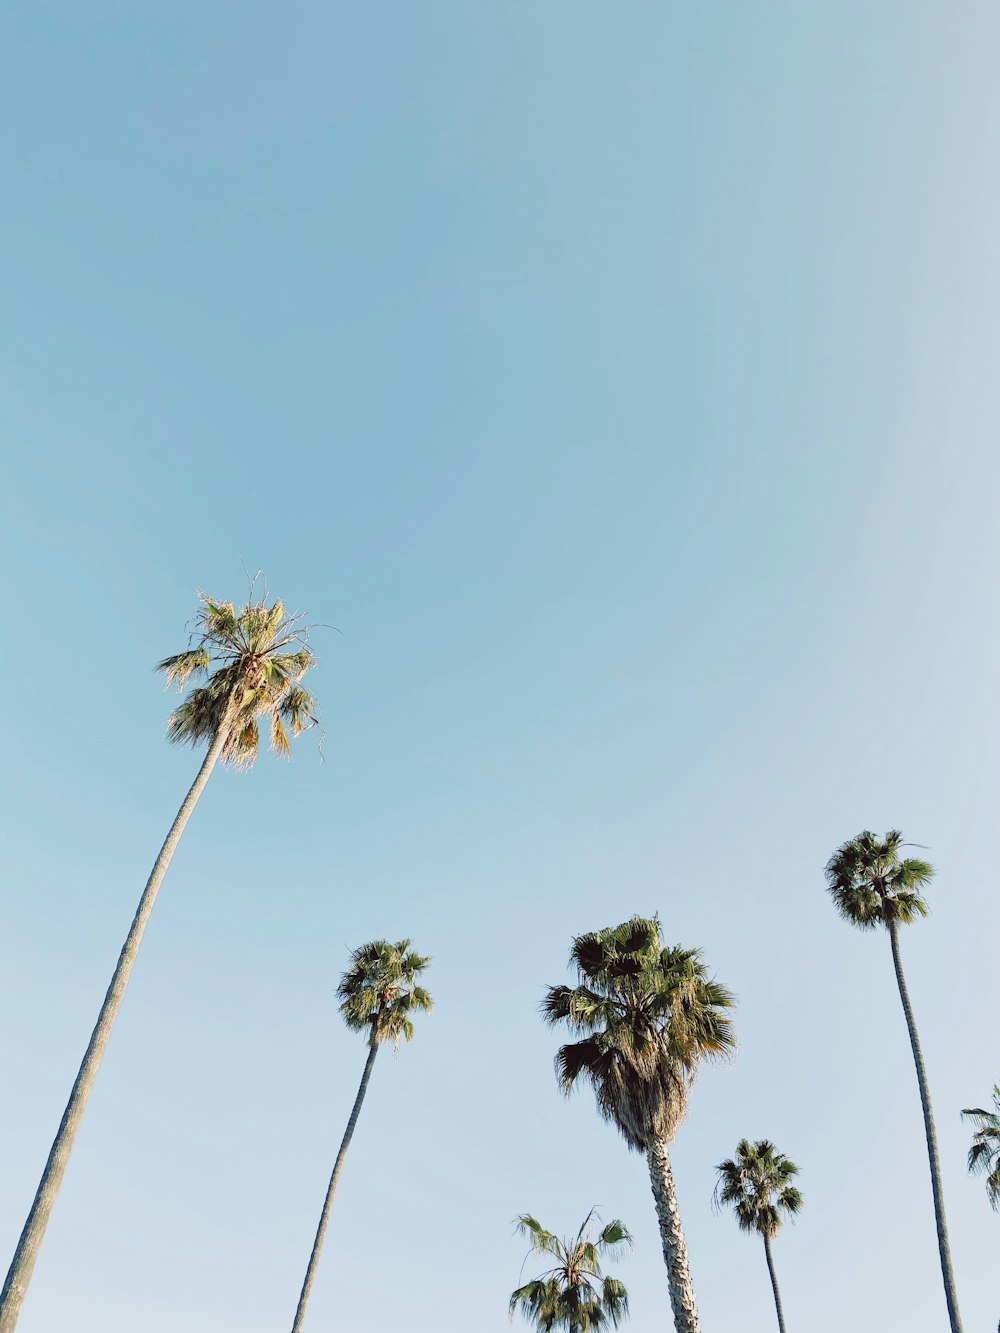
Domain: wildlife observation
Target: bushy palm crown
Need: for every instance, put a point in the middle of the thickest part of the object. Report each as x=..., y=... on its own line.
x=253, y=659
x=757, y=1184
x=872, y=885
x=379, y=991
x=573, y=1294
x=651, y=1014
x=984, y=1155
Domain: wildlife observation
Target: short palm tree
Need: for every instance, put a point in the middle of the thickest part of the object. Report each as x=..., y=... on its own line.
x=647, y=1016
x=252, y=662
x=378, y=994
x=872, y=886
x=757, y=1184
x=573, y=1294
x=984, y=1154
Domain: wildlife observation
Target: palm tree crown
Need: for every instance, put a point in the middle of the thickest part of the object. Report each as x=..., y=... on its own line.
x=573, y=1294
x=253, y=661
x=651, y=1014
x=379, y=991
x=984, y=1154
x=871, y=885
x=757, y=1183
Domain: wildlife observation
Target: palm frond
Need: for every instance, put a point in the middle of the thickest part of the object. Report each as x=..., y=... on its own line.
x=541, y=1241
x=182, y=666
x=615, y=1238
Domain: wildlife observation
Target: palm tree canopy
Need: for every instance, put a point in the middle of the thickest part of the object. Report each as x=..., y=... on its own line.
x=379, y=992
x=757, y=1183
x=574, y=1293
x=648, y=1015
x=984, y=1154
x=872, y=885
x=256, y=658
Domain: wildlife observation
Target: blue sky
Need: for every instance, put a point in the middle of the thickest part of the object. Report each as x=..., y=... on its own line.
x=620, y=381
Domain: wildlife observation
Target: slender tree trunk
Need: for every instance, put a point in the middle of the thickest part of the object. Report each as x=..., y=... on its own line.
x=932, y=1149
x=23, y=1263
x=682, y=1300
x=345, y=1143
x=774, y=1282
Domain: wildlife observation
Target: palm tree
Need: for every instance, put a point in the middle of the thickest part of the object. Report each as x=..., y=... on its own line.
x=873, y=886
x=984, y=1155
x=573, y=1294
x=757, y=1183
x=252, y=663
x=378, y=993
x=648, y=1016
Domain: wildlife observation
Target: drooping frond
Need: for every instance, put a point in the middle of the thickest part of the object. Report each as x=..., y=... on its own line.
x=254, y=661
x=871, y=885
x=984, y=1151
x=379, y=992
x=539, y=1301
x=757, y=1184
x=647, y=1016
x=541, y=1241
x=182, y=666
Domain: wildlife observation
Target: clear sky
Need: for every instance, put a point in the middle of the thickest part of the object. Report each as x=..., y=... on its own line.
x=620, y=381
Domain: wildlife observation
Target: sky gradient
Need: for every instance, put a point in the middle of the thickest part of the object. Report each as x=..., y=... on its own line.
x=620, y=382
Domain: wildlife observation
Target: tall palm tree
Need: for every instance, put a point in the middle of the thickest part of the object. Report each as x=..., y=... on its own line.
x=378, y=994
x=573, y=1294
x=757, y=1183
x=872, y=885
x=984, y=1154
x=648, y=1016
x=252, y=663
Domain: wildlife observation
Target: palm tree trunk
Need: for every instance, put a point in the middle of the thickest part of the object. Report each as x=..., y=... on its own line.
x=774, y=1282
x=345, y=1143
x=23, y=1263
x=668, y=1215
x=932, y=1149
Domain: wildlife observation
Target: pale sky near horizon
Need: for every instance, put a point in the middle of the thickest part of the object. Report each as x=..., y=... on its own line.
x=620, y=381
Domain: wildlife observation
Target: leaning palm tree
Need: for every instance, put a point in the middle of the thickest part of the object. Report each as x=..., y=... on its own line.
x=873, y=886
x=648, y=1016
x=252, y=662
x=573, y=1294
x=984, y=1154
x=378, y=993
x=757, y=1183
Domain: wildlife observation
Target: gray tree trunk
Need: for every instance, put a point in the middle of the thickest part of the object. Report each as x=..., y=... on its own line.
x=23, y=1263
x=932, y=1149
x=682, y=1300
x=345, y=1143
x=774, y=1282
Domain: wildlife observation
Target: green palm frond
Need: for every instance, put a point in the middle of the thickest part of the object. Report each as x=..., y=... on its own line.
x=573, y=1294
x=647, y=1016
x=541, y=1241
x=379, y=991
x=254, y=660
x=539, y=1301
x=615, y=1238
x=984, y=1152
x=871, y=885
x=756, y=1184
